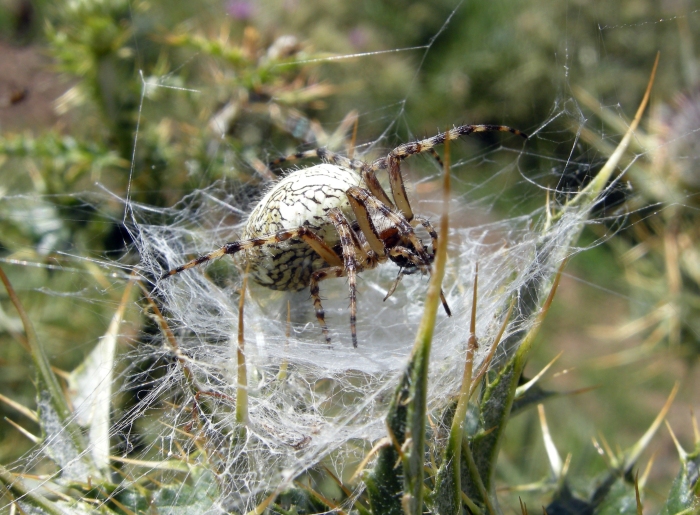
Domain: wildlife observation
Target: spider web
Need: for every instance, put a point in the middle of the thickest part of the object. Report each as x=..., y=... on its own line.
x=310, y=404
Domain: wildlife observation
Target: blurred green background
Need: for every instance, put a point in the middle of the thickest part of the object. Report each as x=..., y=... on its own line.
x=234, y=84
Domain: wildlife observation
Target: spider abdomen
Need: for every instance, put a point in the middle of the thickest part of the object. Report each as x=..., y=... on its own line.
x=301, y=199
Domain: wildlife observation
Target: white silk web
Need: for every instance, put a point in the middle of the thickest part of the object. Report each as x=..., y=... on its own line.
x=329, y=404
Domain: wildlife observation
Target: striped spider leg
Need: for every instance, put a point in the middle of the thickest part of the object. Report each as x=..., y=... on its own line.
x=392, y=162
x=304, y=233
x=356, y=258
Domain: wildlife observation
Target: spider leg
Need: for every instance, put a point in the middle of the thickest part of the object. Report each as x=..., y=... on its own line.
x=392, y=162
x=445, y=306
x=419, y=257
x=431, y=231
x=369, y=203
x=373, y=185
x=416, y=260
x=411, y=256
x=324, y=155
x=391, y=290
x=437, y=157
x=434, y=237
x=403, y=272
x=371, y=259
x=398, y=190
x=426, y=145
x=367, y=228
x=350, y=264
x=306, y=234
x=360, y=201
x=317, y=277
x=352, y=246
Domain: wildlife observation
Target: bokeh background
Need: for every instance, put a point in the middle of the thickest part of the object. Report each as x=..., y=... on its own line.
x=215, y=89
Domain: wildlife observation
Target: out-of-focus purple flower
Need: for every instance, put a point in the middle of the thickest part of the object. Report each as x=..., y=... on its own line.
x=358, y=37
x=240, y=9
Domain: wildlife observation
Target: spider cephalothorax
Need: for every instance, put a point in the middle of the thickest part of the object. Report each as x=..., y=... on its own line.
x=336, y=220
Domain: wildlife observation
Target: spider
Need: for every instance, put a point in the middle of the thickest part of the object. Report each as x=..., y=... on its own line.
x=336, y=220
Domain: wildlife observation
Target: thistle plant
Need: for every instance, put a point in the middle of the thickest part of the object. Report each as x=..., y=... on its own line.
x=210, y=395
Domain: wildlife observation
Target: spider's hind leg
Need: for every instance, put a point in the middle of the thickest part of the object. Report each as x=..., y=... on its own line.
x=306, y=234
x=317, y=277
x=323, y=154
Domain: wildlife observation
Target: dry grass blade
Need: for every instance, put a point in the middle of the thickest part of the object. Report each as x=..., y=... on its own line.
x=682, y=454
x=260, y=508
x=523, y=507
x=492, y=351
x=32, y=438
x=242, y=380
x=31, y=415
x=328, y=502
x=525, y=387
x=282, y=374
x=384, y=442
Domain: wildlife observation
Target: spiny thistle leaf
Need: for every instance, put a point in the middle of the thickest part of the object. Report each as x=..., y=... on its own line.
x=684, y=496
x=178, y=498
x=493, y=412
x=620, y=498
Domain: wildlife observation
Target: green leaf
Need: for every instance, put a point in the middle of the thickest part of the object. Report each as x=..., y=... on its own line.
x=385, y=481
x=619, y=499
x=178, y=498
x=685, y=491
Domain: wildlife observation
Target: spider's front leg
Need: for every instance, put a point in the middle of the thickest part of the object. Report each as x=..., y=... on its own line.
x=411, y=256
x=392, y=161
x=364, y=205
x=431, y=231
x=434, y=237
